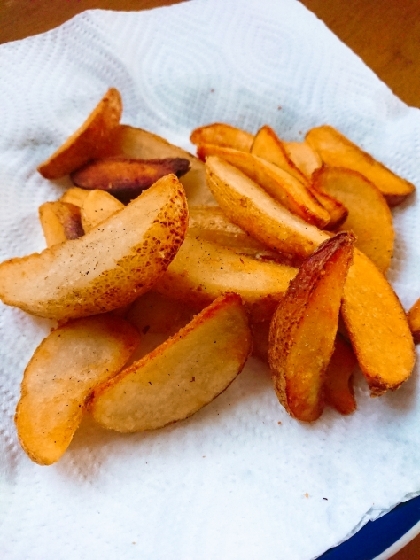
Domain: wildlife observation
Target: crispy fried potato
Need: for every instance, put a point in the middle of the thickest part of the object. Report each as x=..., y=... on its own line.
x=60, y=221
x=91, y=140
x=182, y=375
x=337, y=211
x=223, y=135
x=338, y=384
x=260, y=339
x=414, y=321
x=75, y=196
x=126, y=178
x=255, y=211
x=284, y=188
x=337, y=151
x=304, y=327
x=369, y=216
x=60, y=376
x=202, y=271
x=372, y=312
x=267, y=145
x=97, y=207
x=107, y=268
x=305, y=158
x=130, y=142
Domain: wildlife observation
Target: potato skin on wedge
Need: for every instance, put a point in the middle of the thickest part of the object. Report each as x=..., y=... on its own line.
x=222, y=134
x=64, y=369
x=107, y=268
x=304, y=327
x=182, y=375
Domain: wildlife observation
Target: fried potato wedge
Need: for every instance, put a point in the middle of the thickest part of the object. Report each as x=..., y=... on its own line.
x=369, y=216
x=305, y=158
x=338, y=384
x=414, y=321
x=267, y=145
x=284, y=188
x=372, y=312
x=337, y=211
x=222, y=134
x=97, y=207
x=337, y=151
x=60, y=221
x=304, y=327
x=107, y=268
x=255, y=211
x=91, y=140
x=130, y=142
x=182, y=375
x=126, y=178
x=260, y=339
x=75, y=196
x=202, y=271
x=60, y=376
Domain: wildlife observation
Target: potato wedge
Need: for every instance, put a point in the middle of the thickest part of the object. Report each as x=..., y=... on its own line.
x=60, y=221
x=414, y=321
x=182, y=375
x=97, y=207
x=126, y=178
x=91, y=140
x=267, y=145
x=107, y=268
x=202, y=271
x=255, y=211
x=338, y=384
x=223, y=135
x=372, y=312
x=60, y=376
x=369, y=216
x=75, y=196
x=305, y=158
x=337, y=151
x=304, y=327
x=130, y=142
x=337, y=211
x=260, y=339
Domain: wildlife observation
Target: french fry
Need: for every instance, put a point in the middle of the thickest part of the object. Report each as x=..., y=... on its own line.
x=305, y=158
x=97, y=207
x=282, y=186
x=91, y=140
x=79, y=278
x=182, y=375
x=60, y=221
x=304, y=327
x=369, y=216
x=222, y=134
x=338, y=384
x=337, y=151
x=60, y=376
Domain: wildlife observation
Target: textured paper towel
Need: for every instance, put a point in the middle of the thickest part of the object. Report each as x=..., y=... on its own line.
x=240, y=479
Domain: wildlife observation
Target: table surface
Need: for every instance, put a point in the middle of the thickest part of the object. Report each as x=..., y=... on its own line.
x=384, y=33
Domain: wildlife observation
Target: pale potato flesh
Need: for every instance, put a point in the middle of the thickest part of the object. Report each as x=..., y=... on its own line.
x=306, y=159
x=182, y=375
x=64, y=369
x=222, y=134
x=60, y=221
x=97, y=207
x=107, y=268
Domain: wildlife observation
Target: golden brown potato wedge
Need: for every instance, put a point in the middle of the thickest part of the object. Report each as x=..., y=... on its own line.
x=60, y=376
x=107, y=268
x=255, y=211
x=126, y=178
x=369, y=216
x=202, y=271
x=372, y=312
x=223, y=135
x=91, y=140
x=60, y=221
x=284, y=188
x=130, y=142
x=414, y=321
x=182, y=375
x=97, y=207
x=75, y=196
x=267, y=145
x=337, y=211
x=304, y=327
x=337, y=151
x=338, y=384
x=305, y=158
x=260, y=339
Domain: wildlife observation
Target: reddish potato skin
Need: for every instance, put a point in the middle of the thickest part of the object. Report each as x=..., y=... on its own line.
x=126, y=178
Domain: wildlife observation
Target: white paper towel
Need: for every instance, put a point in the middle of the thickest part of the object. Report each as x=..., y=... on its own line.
x=240, y=479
